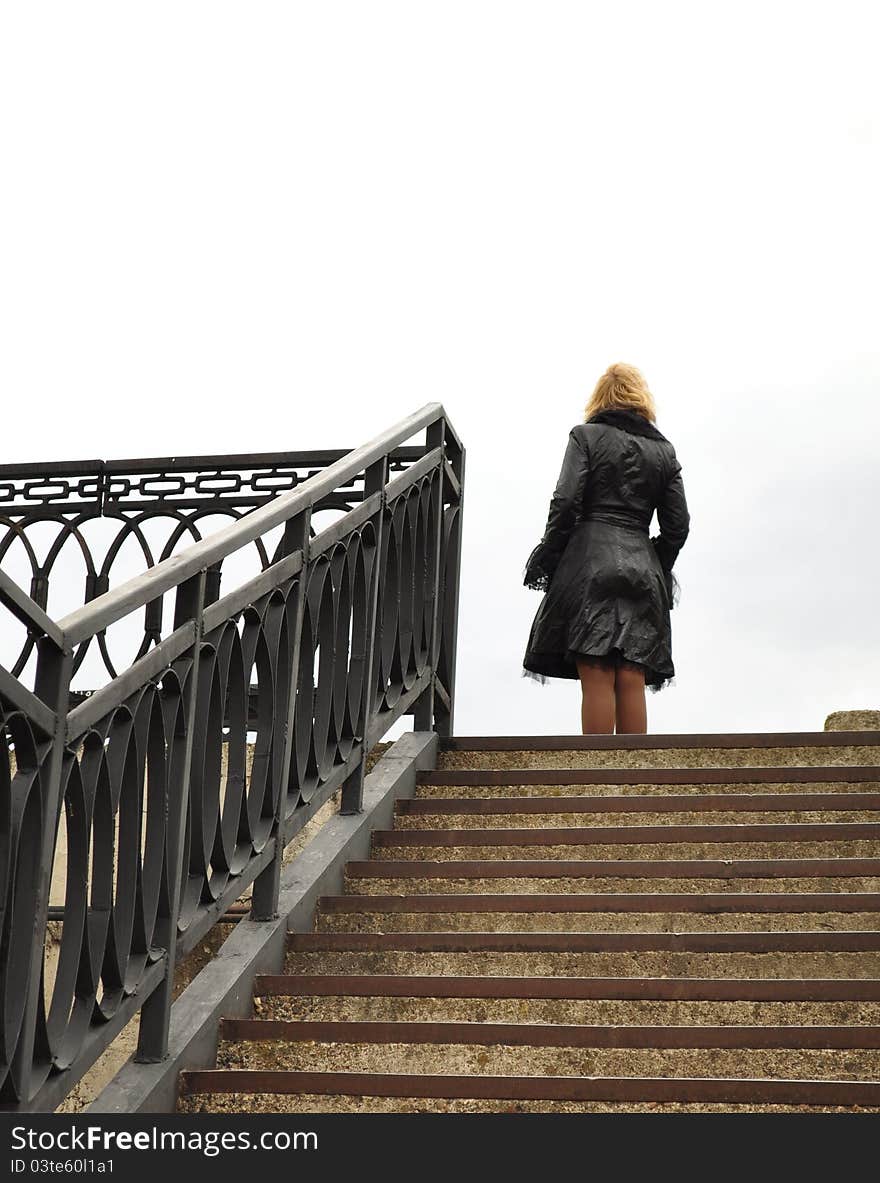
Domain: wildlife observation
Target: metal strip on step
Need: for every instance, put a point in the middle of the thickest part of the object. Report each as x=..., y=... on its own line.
x=667, y=803
x=634, y=835
x=550, y=1034
x=581, y=942
x=772, y=774
x=804, y=868
x=758, y=902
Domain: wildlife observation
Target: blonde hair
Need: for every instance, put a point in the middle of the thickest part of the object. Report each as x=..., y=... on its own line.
x=622, y=388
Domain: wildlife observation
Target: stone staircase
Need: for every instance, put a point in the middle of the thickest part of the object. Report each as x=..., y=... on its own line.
x=576, y=924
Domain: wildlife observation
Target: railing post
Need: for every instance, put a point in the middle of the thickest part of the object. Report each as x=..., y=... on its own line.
x=375, y=480
x=443, y=716
x=155, y=1019
x=425, y=707
x=267, y=885
x=52, y=685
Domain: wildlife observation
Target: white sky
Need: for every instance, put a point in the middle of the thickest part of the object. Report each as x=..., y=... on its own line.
x=231, y=227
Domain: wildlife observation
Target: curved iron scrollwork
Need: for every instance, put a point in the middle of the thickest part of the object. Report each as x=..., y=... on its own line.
x=132, y=818
x=178, y=501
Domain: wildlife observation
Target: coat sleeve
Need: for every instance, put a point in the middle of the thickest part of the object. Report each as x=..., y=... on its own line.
x=674, y=521
x=564, y=505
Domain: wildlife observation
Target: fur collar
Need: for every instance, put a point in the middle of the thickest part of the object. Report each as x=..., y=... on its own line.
x=631, y=421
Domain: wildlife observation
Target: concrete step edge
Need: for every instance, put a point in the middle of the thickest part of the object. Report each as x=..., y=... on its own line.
x=668, y=739
x=683, y=1089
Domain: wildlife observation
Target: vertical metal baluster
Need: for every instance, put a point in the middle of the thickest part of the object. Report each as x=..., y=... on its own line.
x=267, y=885
x=424, y=711
x=375, y=480
x=52, y=685
x=212, y=583
x=152, y=1045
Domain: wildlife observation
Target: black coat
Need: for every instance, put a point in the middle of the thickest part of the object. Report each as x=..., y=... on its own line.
x=609, y=586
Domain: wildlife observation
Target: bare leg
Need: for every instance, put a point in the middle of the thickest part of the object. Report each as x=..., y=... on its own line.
x=629, y=696
x=597, y=710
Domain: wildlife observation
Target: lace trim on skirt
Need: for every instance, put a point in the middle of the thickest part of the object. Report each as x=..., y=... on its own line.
x=543, y=679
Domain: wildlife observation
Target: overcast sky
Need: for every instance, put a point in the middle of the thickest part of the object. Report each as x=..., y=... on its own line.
x=254, y=226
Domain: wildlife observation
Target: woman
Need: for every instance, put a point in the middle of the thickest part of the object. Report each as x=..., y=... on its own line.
x=609, y=587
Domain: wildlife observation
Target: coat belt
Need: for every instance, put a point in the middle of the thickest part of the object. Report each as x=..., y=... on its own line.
x=611, y=519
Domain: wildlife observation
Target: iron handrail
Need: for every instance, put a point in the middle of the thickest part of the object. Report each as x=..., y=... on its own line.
x=342, y=632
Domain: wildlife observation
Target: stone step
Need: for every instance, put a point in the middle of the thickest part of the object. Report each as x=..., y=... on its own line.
x=610, y=912
x=675, y=851
x=236, y=1091
x=664, y=1012
x=736, y=749
x=598, y=943
x=549, y=1057
x=614, y=922
x=649, y=781
x=552, y=1057
x=817, y=990
x=670, y=841
x=549, y=785
x=669, y=955
x=575, y=1035
x=599, y=819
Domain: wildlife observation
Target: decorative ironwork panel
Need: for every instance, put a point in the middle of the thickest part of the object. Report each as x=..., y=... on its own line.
x=92, y=526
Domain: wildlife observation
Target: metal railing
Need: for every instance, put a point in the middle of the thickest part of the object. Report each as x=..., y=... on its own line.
x=180, y=781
